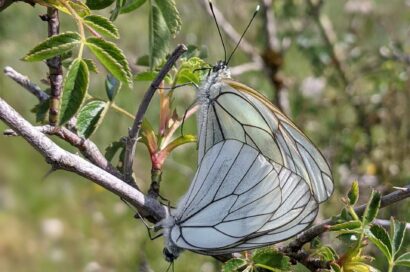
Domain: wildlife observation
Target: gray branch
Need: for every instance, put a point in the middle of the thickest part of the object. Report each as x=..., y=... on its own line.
x=61, y=159
x=25, y=82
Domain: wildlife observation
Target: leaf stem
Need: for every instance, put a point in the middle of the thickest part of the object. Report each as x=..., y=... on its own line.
x=80, y=25
x=121, y=110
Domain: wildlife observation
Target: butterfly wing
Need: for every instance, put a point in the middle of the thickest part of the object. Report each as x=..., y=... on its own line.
x=238, y=200
x=235, y=111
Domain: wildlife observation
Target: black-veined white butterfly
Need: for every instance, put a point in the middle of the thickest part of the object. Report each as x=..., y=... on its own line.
x=259, y=179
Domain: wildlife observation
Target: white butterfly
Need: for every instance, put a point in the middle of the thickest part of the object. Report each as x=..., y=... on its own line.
x=259, y=179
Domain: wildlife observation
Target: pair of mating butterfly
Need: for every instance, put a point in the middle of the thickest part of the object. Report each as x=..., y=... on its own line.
x=259, y=180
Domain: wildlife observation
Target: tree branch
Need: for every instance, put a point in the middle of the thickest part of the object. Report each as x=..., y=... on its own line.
x=25, y=82
x=55, y=67
x=317, y=230
x=61, y=159
x=87, y=148
x=134, y=131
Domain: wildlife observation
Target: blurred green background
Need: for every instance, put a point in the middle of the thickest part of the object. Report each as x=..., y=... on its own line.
x=66, y=223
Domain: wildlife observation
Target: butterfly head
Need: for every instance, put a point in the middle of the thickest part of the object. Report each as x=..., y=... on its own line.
x=221, y=69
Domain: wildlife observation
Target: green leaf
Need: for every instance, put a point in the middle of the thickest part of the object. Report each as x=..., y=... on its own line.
x=99, y=4
x=41, y=110
x=90, y=117
x=335, y=267
x=102, y=25
x=74, y=90
x=372, y=208
x=143, y=61
x=404, y=260
x=271, y=258
x=398, y=230
x=112, y=87
x=354, y=224
x=187, y=72
x=353, y=194
x=80, y=8
x=131, y=5
x=181, y=140
x=112, y=149
x=159, y=37
x=171, y=15
x=111, y=57
x=327, y=253
x=53, y=46
x=233, y=265
x=381, y=239
x=91, y=65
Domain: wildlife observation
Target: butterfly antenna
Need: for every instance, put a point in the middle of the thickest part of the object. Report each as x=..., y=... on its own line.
x=243, y=34
x=217, y=26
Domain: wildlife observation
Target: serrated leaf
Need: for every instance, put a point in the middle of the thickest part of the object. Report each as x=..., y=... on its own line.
x=353, y=194
x=80, y=8
x=271, y=258
x=372, y=208
x=188, y=71
x=102, y=25
x=89, y=117
x=91, y=65
x=327, y=253
x=74, y=90
x=398, y=230
x=233, y=265
x=159, y=37
x=381, y=239
x=111, y=57
x=131, y=5
x=99, y=4
x=41, y=110
x=171, y=15
x=350, y=225
x=404, y=260
x=112, y=86
x=112, y=149
x=53, y=46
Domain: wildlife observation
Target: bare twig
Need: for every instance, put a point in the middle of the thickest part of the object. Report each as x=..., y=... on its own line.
x=25, y=82
x=61, y=159
x=54, y=67
x=315, y=231
x=89, y=150
x=134, y=131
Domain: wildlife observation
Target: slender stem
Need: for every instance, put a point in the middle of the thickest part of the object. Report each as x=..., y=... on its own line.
x=121, y=110
x=134, y=131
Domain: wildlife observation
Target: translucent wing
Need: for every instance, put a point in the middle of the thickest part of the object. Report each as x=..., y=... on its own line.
x=235, y=111
x=238, y=200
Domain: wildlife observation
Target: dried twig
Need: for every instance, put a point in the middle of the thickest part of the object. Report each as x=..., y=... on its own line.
x=62, y=159
x=315, y=231
x=134, y=131
x=25, y=82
